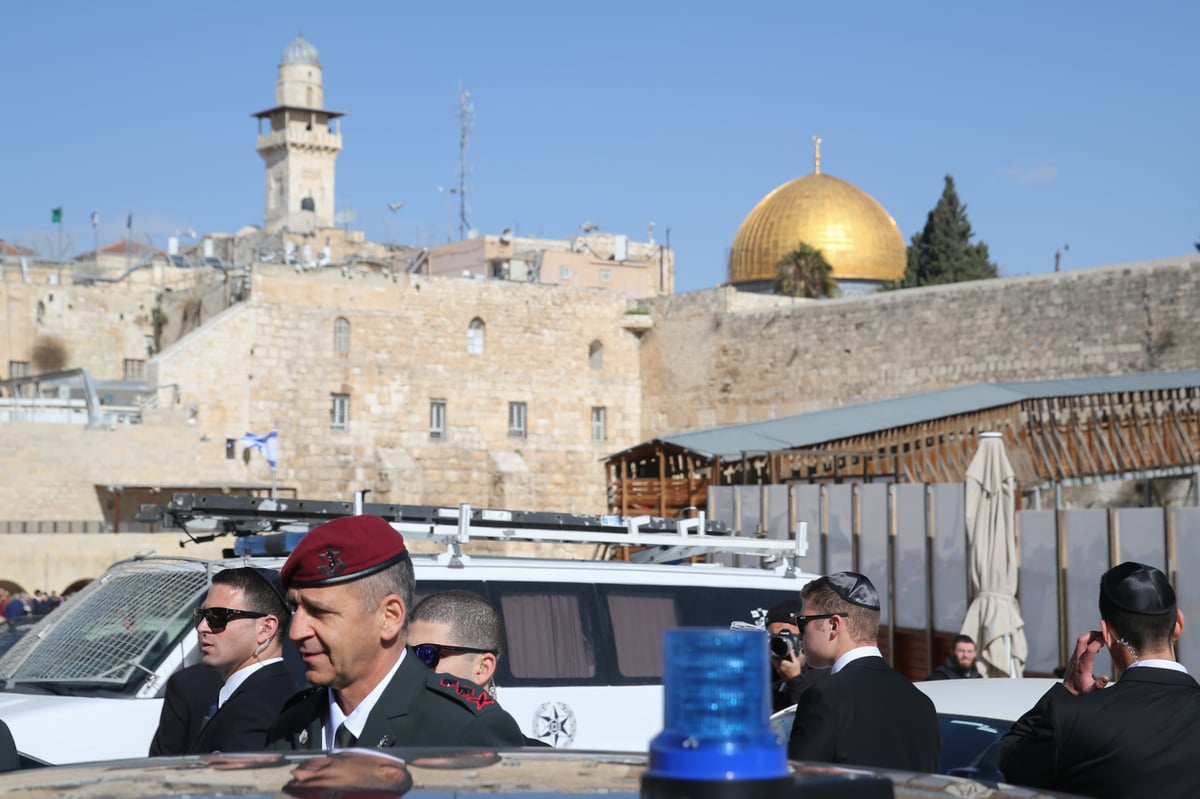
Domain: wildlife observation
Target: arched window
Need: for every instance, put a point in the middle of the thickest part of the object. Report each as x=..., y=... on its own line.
x=475, y=336
x=596, y=355
x=341, y=335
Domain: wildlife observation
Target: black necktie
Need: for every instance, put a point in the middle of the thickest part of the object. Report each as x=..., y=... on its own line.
x=343, y=738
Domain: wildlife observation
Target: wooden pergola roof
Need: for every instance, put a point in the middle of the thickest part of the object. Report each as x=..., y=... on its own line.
x=1058, y=432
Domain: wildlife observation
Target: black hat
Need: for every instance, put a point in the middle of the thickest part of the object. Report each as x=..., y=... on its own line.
x=271, y=578
x=1137, y=588
x=855, y=588
x=786, y=611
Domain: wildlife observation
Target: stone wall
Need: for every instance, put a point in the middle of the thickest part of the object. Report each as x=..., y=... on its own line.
x=54, y=324
x=704, y=365
x=270, y=363
x=696, y=360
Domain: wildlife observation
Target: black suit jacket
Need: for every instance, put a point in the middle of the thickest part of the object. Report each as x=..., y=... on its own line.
x=417, y=708
x=9, y=759
x=1138, y=737
x=190, y=693
x=866, y=715
x=242, y=723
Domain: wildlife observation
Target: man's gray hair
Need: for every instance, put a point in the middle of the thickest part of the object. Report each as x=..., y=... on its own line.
x=396, y=579
x=472, y=620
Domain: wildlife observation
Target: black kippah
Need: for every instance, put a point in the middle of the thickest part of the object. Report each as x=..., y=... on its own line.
x=1138, y=588
x=855, y=589
x=786, y=611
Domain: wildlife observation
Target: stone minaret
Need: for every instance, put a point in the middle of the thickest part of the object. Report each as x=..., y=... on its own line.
x=301, y=147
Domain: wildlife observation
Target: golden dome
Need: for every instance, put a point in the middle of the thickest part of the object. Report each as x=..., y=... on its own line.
x=858, y=238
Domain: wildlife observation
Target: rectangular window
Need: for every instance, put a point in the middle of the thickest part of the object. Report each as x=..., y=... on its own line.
x=605, y=275
x=599, y=417
x=564, y=273
x=339, y=411
x=135, y=369
x=437, y=418
x=18, y=368
x=516, y=419
x=548, y=636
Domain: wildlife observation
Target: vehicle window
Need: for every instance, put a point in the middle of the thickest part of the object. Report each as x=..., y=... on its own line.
x=546, y=636
x=640, y=616
x=965, y=738
x=638, y=623
x=112, y=632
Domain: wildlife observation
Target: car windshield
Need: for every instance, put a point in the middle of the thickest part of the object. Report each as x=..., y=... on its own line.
x=111, y=633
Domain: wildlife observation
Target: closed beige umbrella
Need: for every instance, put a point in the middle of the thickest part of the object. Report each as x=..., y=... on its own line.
x=993, y=617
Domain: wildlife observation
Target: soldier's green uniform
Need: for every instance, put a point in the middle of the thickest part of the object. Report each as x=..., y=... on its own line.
x=418, y=708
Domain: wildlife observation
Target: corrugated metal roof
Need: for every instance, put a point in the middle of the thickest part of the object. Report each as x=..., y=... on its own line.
x=834, y=424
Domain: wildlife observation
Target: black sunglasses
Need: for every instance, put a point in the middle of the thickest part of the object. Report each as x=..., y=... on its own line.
x=218, y=618
x=430, y=654
x=800, y=621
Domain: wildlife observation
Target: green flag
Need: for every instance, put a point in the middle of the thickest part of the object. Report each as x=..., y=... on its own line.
x=56, y=214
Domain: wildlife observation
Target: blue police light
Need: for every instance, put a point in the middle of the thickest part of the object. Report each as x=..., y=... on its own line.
x=716, y=685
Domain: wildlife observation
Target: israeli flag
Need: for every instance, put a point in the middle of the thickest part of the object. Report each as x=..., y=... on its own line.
x=268, y=445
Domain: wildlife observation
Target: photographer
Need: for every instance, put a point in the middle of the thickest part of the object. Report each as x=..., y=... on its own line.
x=792, y=675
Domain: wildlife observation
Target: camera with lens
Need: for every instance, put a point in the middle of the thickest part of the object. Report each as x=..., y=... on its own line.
x=784, y=645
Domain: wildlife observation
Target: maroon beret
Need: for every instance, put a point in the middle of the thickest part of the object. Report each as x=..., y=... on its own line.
x=347, y=548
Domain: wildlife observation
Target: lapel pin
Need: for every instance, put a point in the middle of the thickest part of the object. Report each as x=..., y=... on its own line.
x=303, y=737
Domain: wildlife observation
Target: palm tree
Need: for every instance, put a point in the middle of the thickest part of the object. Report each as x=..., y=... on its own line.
x=804, y=272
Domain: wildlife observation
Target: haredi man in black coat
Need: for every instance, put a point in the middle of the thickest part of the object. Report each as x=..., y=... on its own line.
x=1136, y=738
x=350, y=583
x=864, y=713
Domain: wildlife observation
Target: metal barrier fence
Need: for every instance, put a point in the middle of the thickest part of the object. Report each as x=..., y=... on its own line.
x=914, y=536
x=68, y=526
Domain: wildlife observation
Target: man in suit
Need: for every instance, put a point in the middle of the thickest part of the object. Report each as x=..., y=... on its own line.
x=241, y=625
x=189, y=696
x=350, y=583
x=791, y=675
x=864, y=713
x=1138, y=737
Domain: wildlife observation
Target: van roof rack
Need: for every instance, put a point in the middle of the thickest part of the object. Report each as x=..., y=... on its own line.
x=204, y=517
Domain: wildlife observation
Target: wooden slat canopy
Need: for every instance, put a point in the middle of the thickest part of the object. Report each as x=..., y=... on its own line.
x=1055, y=440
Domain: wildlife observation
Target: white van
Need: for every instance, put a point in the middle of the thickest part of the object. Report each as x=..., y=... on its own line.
x=582, y=666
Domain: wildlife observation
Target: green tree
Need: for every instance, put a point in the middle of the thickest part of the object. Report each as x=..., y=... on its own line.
x=804, y=272
x=943, y=252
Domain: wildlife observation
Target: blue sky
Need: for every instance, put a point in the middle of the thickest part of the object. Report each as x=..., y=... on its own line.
x=1062, y=123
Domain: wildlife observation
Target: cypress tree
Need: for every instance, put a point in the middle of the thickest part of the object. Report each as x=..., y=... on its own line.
x=943, y=252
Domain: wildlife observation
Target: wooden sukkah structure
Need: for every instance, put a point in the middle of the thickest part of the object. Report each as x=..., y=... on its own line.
x=1057, y=433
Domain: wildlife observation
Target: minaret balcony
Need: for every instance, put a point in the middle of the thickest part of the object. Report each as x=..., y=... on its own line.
x=309, y=139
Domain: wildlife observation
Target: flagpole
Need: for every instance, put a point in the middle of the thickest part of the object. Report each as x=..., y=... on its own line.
x=276, y=464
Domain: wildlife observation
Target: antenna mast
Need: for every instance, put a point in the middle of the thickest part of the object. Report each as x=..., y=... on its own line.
x=466, y=122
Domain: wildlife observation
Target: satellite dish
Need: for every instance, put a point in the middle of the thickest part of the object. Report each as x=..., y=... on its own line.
x=394, y=207
x=345, y=216
x=506, y=235
x=589, y=227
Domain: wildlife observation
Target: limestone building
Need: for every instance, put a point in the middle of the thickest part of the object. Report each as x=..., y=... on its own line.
x=301, y=146
x=856, y=235
x=593, y=259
